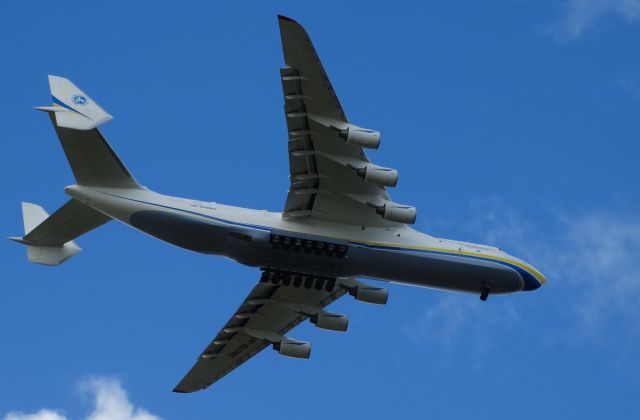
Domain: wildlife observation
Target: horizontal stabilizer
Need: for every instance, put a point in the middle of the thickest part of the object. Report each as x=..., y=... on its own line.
x=72, y=107
x=49, y=239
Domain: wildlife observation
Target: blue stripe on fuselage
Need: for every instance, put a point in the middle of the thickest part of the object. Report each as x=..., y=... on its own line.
x=530, y=282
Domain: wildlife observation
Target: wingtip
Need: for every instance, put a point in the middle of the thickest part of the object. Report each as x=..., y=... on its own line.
x=53, y=78
x=285, y=18
x=180, y=391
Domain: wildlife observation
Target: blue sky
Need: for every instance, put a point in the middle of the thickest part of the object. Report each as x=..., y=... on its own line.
x=514, y=123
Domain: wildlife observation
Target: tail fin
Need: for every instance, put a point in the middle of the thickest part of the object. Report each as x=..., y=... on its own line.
x=49, y=239
x=32, y=216
x=75, y=117
x=73, y=108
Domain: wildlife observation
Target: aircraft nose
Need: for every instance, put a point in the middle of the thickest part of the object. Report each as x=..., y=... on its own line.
x=533, y=278
x=530, y=284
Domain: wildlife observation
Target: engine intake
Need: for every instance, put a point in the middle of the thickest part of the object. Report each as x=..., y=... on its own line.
x=370, y=294
x=363, y=137
x=398, y=213
x=378, y=175
x=329, y=321
x=293, y=348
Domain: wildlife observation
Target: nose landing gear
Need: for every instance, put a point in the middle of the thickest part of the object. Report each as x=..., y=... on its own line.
x=485, y=293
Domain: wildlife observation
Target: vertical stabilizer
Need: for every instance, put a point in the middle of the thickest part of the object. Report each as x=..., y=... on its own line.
x=75, y=117
x=34, y=216
x=72, y=107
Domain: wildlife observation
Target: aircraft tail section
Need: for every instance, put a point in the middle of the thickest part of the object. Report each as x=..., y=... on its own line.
x=49, y=239
x=75, y=117
x=72, y=107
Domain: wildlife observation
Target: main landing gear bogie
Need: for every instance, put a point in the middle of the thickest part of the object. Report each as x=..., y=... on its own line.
x=298, y=280
x=308, y=246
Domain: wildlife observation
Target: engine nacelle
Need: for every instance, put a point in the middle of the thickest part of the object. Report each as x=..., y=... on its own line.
x=380, y=176
x=361, y=136
x=398, y=213
x=329, y=321
x=293, y=348
x=370, y=294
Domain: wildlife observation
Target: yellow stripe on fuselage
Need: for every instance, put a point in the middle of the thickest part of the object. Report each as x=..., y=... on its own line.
x=535, y=273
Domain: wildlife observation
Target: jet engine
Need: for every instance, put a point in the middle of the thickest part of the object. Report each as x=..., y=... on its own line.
x=361, y=136
x=370, y=294
x=398, y=213
x=378, y=175
x=329, y=321
x=293, y=348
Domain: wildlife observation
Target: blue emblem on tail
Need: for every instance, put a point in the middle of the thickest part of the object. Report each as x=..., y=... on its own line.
x=80, y=100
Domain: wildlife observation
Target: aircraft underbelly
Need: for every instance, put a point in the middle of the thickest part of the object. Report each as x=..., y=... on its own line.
x=181, y=230
x=432, y=270
x=255, y=248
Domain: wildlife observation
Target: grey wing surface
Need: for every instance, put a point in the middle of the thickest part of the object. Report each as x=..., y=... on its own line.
x=67, y=223
x=325, y=182
x=267, y=313
x=92, y=159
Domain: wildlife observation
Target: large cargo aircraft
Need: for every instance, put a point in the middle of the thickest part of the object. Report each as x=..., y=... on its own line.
x=338, y=224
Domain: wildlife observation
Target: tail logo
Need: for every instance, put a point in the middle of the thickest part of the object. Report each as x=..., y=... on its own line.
x=78, y=99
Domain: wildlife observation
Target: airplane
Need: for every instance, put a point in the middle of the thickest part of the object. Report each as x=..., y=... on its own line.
x=338, y=225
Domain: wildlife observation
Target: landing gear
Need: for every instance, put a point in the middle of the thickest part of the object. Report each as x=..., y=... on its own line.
x=308, y=246
x=485, y=293
x=293, y=279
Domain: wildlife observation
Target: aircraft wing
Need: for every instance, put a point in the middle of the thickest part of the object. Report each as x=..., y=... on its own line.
x=331, y=176
x=270, y=311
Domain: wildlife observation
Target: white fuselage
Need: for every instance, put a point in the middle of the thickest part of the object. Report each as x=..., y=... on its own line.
x=309, y=245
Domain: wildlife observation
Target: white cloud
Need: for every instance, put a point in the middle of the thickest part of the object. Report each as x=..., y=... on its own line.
x=592, y=292
x=598, y=258
x=581, y=15
x=111, y=403
x=43, y=414
x=446, y=320
x=590, y=259
x=461, y=315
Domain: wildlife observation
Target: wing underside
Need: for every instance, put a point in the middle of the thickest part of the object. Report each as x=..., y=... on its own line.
x=266, y=315
x=280, y=301
x=330, y=174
